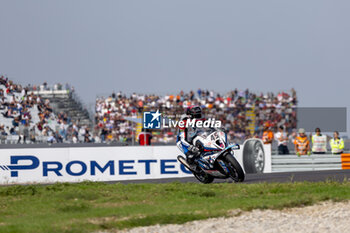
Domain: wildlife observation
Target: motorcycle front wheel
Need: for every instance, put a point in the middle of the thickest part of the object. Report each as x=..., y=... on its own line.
x=236, y=171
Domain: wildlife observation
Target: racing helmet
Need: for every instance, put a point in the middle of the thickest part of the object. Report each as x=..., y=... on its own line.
x=194, y=111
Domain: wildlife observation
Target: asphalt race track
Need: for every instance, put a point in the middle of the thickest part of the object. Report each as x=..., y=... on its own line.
x=282, y=177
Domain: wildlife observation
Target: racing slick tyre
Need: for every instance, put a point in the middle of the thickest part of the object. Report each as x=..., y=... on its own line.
x=236, y=171
x=203, y=177
x=199, y=174
x=253, y=156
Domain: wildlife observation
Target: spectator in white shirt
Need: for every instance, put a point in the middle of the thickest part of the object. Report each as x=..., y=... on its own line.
x=282, y=140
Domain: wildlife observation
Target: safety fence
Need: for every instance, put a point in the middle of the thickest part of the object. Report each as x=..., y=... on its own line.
x=113, y=163
x=117, y=163
x=286, y=163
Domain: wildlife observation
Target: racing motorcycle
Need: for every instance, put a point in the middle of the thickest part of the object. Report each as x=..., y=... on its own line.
x=216, y=158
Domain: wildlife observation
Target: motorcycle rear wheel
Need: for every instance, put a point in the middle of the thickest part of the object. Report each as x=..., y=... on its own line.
x=203, y=177
x=200, y=175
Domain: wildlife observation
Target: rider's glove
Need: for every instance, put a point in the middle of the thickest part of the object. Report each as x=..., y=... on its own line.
x=308, y=153
x=298, y=154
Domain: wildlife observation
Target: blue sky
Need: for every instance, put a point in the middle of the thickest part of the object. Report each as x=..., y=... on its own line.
x=166, y=46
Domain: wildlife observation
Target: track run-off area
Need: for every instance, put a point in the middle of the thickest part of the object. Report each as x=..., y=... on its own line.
x=282, y=177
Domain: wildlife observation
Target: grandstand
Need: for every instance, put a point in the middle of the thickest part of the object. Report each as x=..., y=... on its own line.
x=66, y=101
x=41, y=114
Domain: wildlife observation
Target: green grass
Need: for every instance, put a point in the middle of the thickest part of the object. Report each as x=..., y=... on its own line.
x=89, y=206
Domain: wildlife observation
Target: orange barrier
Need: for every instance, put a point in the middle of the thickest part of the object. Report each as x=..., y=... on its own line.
x=345, y=161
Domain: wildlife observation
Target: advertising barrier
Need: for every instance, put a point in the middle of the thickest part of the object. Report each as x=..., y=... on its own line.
x=76, y=164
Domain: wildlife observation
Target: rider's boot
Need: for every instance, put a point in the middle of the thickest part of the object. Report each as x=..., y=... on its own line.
x=191, y=160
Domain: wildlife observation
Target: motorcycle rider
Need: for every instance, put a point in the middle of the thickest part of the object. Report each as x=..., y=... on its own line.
x=185, y=135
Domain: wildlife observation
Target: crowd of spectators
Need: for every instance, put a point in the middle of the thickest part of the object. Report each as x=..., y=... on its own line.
x=30, y=118
x=113, y=112
x=26, y=114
